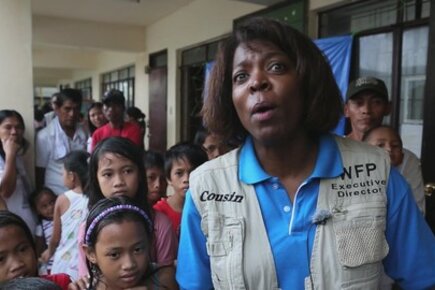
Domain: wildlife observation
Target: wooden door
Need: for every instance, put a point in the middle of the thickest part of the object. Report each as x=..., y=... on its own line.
x=158, y=79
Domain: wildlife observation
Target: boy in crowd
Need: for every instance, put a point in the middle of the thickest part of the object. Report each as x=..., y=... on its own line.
x=114, y=109
x=180, y=160
x=405, y=161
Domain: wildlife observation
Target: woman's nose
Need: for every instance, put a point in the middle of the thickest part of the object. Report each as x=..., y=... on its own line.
x=259, y=82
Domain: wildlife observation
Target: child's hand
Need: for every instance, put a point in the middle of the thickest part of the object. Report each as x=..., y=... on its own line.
x=45, y=256
x=10, y=146
x=81, y=284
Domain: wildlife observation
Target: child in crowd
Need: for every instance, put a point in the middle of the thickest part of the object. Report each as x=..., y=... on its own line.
x=211, y=143
x=180, y=160
x=404, y=160
x=42, y=202
x=118, y=244
x=116, y=169
x=18, y=252
x=69, y=212
x=155, y=175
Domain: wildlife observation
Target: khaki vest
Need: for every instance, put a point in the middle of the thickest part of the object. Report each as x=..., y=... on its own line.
x=348, y=248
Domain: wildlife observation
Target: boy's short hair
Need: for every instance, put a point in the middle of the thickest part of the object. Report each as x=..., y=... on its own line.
x=114, y=96
x=184, y=150
x=371, y=130
x=154, y=159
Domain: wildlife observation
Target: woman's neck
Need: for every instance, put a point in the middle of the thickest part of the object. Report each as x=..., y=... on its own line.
x=292, y=161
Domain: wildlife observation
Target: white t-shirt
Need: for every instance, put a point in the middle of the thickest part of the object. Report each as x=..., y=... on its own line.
x=410, y=168
x=49, y=142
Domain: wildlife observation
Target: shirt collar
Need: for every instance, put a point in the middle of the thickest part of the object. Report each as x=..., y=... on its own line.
x=328, y=163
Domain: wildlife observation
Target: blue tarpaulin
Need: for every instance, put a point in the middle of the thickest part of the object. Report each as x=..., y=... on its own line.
x=338, y=51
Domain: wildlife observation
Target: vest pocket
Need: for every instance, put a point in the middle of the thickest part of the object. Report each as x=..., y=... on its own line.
x=225, y=247
x=361, y=244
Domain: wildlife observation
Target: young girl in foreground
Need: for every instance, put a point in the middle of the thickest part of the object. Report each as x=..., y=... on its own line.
x=69, y=212
x=117, y=245
x=18, y=253
x=116, y=169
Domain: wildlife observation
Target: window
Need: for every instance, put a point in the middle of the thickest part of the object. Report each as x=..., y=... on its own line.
x=123, y=80
x=193, y=68
x=390, y=42
x=86, y=87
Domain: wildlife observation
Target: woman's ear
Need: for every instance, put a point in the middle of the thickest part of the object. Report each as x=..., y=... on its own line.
x=90, y=253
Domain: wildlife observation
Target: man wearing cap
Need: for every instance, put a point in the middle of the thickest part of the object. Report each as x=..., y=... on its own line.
x=366, y=105
x=114, y=109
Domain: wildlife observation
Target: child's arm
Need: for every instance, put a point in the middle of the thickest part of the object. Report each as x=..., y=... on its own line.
x=62, y=204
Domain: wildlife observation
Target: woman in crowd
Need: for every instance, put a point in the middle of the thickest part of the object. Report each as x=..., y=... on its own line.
x=96, y=119
x=295, y=207
x=15, y=186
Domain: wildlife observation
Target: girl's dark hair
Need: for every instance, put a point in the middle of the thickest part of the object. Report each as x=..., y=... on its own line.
x=4, y=114
x=127, y=149
x=35, y=195
x=77, y=161
x=322, y=103
x=10, y=219
x=91, y=126
x=112, y=217
x=26, y=283
x=154, y=159
x=184, y=150
x=137, y=114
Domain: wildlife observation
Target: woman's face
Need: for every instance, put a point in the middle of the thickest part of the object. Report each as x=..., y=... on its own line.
x=121, y=254
x=17, y=256
x=11, y=127
x=96, y=116
x=266, y=92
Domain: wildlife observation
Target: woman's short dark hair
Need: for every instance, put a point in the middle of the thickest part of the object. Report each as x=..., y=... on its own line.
x=127, y=149
x=4, y=114
x=322, y=103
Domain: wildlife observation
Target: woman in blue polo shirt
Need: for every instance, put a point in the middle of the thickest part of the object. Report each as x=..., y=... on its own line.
x=295, y=207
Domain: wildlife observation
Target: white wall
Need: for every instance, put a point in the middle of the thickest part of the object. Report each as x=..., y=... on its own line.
x=16, y=63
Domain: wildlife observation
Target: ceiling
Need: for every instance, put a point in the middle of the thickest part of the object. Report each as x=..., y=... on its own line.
x=130, y=12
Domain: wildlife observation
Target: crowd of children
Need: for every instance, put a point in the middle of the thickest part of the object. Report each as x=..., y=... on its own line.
x=114, y=226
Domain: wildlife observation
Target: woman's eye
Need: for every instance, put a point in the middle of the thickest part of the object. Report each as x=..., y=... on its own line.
x=277, y=67
x=240, y=77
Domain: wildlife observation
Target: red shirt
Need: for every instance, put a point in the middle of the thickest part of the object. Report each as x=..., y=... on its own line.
x=62, y=280
x=128, y=130
x=175, y=216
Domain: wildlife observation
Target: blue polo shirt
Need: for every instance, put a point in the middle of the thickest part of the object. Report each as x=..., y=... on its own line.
x=291, y=231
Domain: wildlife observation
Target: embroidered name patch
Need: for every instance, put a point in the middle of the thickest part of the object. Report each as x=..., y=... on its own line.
x=228, y=197
x=359, y=179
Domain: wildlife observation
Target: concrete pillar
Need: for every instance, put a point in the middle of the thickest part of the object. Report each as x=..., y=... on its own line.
x=16, y=83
